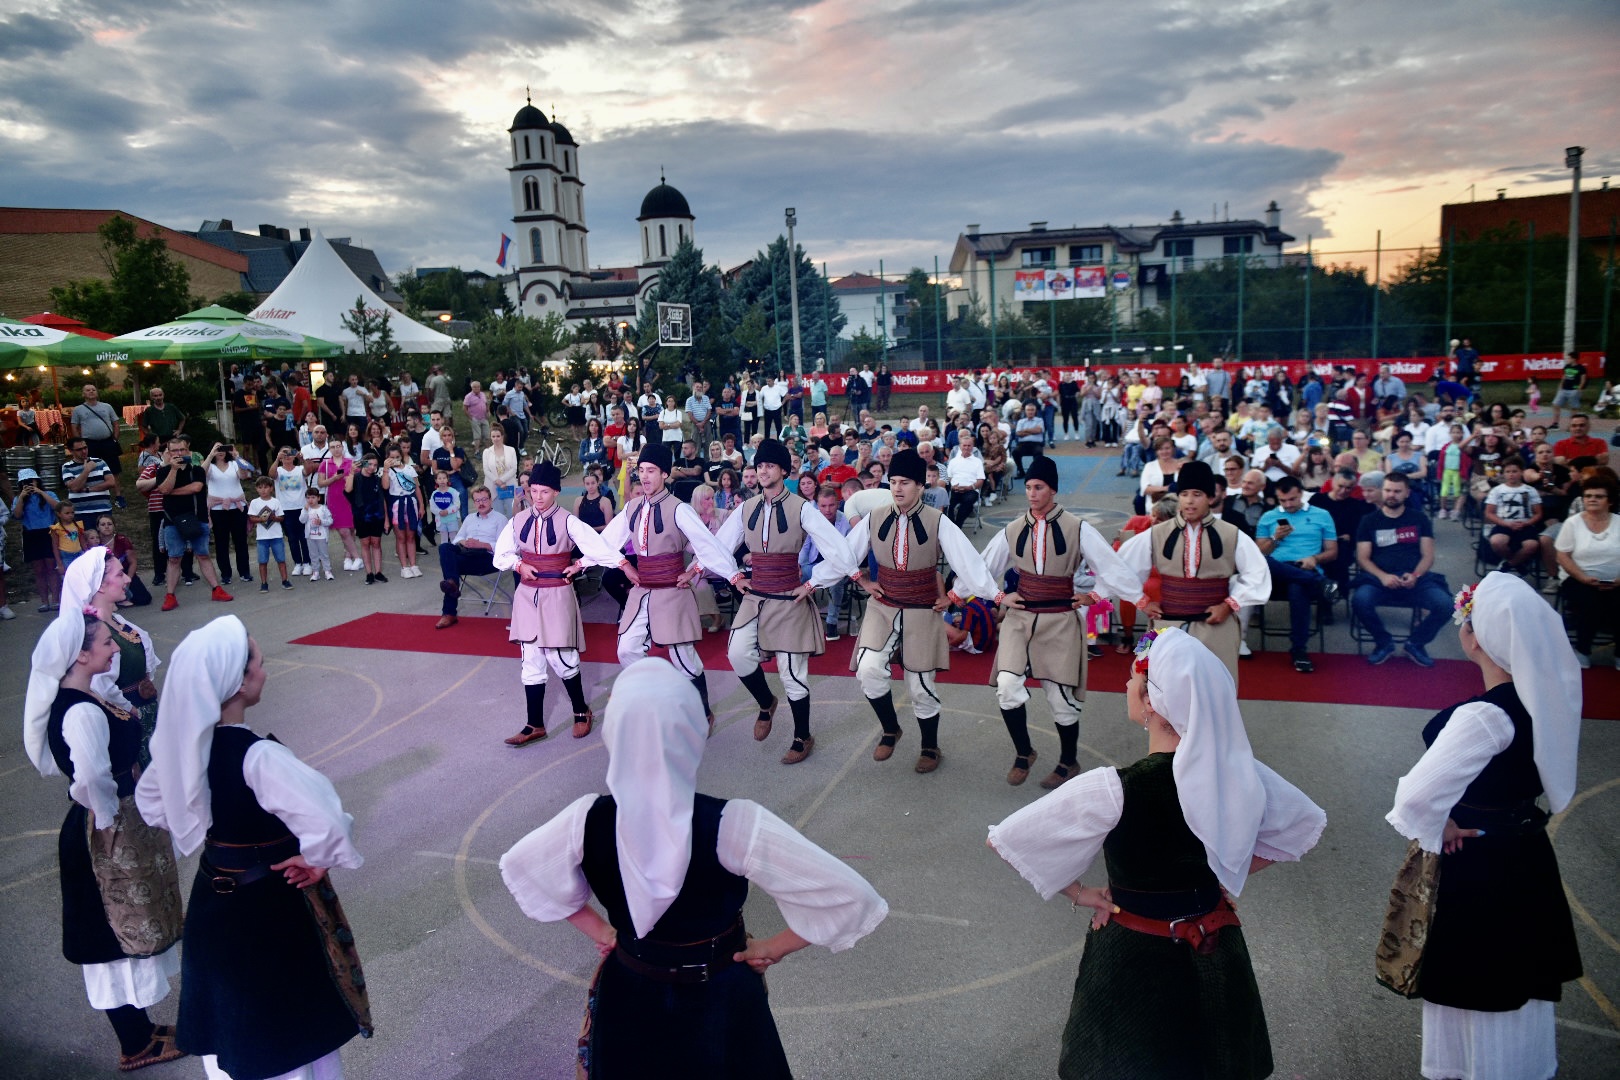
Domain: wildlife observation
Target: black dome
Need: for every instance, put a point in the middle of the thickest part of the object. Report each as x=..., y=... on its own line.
x=561, y=134
x=664, y=201
x=528, y=117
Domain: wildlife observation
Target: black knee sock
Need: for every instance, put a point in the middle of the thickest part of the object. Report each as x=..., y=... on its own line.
x=801, y=717
x=930, y=732
x=884, y=707
x=535, y=695
x=1069, y=744
x=756, y=684
x=700, y=680
x=1017, y=721
x=133, y=1026
x=576, y=694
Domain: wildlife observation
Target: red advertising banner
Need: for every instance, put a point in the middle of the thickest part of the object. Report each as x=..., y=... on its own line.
x=1500, y=367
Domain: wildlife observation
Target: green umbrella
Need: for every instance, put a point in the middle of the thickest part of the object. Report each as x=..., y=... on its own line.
x=218, y=333
x=26, y=345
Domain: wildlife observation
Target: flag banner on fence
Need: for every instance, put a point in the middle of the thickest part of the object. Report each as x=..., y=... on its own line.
x=1029, y=285
x=1059, y=284
x=1090, y=281
x=506, y=242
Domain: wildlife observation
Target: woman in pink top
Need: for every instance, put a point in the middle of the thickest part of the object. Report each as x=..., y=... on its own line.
x=329, y=478
x=477, y=405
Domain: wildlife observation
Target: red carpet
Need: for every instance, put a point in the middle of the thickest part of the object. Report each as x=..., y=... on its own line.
x=1339, y=679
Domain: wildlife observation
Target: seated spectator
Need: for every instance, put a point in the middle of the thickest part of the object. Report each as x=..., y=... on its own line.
x=687, y=471
x=1367, y=459
x=1589, y=564
x=972, y=627
x=1404, y=458
x=1338, y=499
x=472, y=551
x=1245, y=508
x=1395, y=551
x=964, y=473
x=1513, y=511
x=995, y=464
x=1298, y=540
x=1031, y=437
x=1580, y=443
x=1159, y=475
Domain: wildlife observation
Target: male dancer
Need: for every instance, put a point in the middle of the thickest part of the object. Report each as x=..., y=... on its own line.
x=1042, y=634
x=907, y=538
x=661, y=609
x=538, y=543
x=774, y=615
x=1208, y=568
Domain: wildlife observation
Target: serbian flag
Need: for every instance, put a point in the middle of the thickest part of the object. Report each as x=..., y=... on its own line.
x=506, y=242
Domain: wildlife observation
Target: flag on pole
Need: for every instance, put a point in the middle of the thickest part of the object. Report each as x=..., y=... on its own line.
x=506, y=242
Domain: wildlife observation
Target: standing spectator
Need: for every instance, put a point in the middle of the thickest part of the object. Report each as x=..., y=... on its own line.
x=476, y=404
x=500, y=463
x=266, y=514
x=247, y=412
x=331, y=474
x=882, y=386
x=1572, y=380
x=161, y=417
x=183, y=487
x=35, y=508
x=356, y=403
x=438, y=390
x=728, y=415
x=648, y=405
x=1467, y=358
x=1298, y=540
x=516, y=402
x=409, y=393
x=451, y=459
x=28, y=433
x=1588, y=550
x=364, y=489
x=1069, y=405
x=290, y=485
x=227, y=509
x=405, y=509
x=1395, y=550
x=671, y=423
x=700, y=408
x=748, y=409
x=1218, y=384
x=97, y=423
x=89, y=480
x=772, y=396
x=856, y=390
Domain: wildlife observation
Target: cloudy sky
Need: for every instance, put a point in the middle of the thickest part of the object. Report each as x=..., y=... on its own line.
x=889, y=124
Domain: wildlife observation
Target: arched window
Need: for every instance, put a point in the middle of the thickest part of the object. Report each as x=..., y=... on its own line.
x=556, y=195
x=531, y=193
x=663, y=244
x=536, y=255
x=525, y=146
x=568, y=161
x=646, y=244
x=680, y=233
x=542, y=148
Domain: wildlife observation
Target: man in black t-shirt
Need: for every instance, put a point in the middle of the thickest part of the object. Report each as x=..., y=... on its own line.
x=1395, y=550
x=247, y=408
x=185, y=505
x=1338, y=499
x=1572, y=380
x=329, y=398
x=687, y=472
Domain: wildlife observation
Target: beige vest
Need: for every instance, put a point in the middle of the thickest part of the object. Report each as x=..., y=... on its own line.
x=672, y=614
x=784, y=625
x=1047, y=645
x=1223, y=639
x=548, y=617
x=923, y=644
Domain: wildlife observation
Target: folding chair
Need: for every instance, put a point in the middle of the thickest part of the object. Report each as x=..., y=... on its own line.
x=491, y=589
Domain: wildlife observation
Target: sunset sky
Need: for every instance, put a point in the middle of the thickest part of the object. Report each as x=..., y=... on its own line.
x=889, y=125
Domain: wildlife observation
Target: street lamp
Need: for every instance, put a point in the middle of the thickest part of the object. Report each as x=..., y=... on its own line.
x=793, y=292
x=1572, y=161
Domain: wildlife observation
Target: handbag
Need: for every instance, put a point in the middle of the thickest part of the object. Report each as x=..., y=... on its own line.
x=189, y=526
x=1398, y=959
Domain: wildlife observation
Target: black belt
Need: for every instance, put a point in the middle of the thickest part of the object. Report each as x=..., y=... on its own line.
x=696, y=962
x=1179, y=904
x=1199, y=616
x=1501, y=820
x=1055, y=604
x=259, y=857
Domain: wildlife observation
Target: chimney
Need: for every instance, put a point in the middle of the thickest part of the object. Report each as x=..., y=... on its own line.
x=225, y=225
x=303, y=234
x=1037, y=226
x=283, y=234
x=268, y=231
x=1501, y=193
x=1273, y=215
x=973, y=230
x=1176, y=218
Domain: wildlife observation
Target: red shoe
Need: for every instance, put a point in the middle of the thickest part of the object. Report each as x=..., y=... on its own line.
x=221, y=595
x=170, y=603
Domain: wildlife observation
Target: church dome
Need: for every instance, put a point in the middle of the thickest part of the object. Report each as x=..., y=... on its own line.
x=528, y=118
x=664, y=201
x=560, y=133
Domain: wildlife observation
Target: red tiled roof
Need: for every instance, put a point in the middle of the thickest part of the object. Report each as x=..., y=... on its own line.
x=17, y=220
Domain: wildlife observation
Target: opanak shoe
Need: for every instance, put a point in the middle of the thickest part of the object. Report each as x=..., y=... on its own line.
x=799, y=750
x=1020, y=768
x=762, y=724
x=1420, y=656
x=1380, y=654
x=927, y=759
x=1061, y=774
x=527, y=735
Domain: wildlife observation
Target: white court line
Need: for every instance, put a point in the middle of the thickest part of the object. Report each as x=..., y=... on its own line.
x=452, y=857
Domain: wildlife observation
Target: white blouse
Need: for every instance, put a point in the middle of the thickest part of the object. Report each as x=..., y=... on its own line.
x=823, y=900
x=1053, y=841
x=84, y=729
x=1424, y=797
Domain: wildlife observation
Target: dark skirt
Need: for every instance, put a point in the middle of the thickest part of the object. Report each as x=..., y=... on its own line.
x=1184, y=1015
x=1475, y=960
x=717, y=1030
x=255, y=986
x=87, y=937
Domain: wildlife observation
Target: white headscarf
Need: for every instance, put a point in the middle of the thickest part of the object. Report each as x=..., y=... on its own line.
x=1524, y=636
x=58, y=647
x=206, y=671
x=655, y=730
x=1216, y=779
x=82, y=580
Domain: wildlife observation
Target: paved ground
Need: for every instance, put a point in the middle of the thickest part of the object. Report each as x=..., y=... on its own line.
x=970, y=977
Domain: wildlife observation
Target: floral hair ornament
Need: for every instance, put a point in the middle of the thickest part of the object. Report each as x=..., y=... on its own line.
x=1462, y=605
x=1144, y=645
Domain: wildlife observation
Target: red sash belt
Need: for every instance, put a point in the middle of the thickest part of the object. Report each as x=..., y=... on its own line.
x=1048, y=591
x=908, y=588
x=775, y=572
x=1191, y=598
x=550, y=567
x=1199, y=931
x=660, y=571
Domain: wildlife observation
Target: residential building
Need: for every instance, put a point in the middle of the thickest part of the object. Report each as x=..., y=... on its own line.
x=873, y=306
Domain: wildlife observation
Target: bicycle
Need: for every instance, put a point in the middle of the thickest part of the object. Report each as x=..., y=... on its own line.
x=555, y=451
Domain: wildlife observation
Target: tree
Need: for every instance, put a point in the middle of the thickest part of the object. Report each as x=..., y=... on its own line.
x=754, y=337
x=866, y=349
x=370, y=326
x=685, y=280
x=767, y=283
x=243, y=302
x=144, y=286
x=450, y=290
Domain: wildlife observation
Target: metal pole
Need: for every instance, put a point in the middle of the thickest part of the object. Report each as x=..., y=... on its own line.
x=1572, y=158
x=1451, y=258
x=1310, y=272
x=992, y=312
x=1378, y=273
x=793, y=293
x=1052, y=320
x=939, y=331
x=1170, y=265
x=883, y=312
x=1243, y=273
x=1529, y=270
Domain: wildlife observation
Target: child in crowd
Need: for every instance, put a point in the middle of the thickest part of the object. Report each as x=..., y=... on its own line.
x=317, y=519
x=935, y=494
x=972, y=627
x=265, y=512
x=365, y=492
x=1451, y=473
x=35, y=508
x=27, y=424
x=67, y=537
x=1532, y=393
x=135, y=593
x=444, y=507
x=404, y=510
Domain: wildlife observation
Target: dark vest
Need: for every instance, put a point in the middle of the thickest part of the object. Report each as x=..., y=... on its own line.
x=1510, y=778
x=238, y=817
x=123, y=741
x=1153, y=857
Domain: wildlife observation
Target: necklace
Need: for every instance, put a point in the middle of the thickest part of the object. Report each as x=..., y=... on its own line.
x=1596, y=535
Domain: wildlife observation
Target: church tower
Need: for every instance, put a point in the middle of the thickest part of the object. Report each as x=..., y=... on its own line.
x=544, y=236
x=665, y=220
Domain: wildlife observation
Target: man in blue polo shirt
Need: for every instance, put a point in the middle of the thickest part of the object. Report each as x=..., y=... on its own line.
x=1296, y=539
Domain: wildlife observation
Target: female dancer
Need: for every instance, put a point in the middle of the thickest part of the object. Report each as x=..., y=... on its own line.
x=98, y=584
x=272, y=985
x=679, y=990
x=1488, y=990
x=120, y=885
x=1193, y=818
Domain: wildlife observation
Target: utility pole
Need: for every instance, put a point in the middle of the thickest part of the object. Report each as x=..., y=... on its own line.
x=1572, y=160
x=793, y=293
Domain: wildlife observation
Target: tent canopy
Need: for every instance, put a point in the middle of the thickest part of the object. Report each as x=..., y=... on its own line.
x=25, y=345
x=321, y=290
x=218, y=333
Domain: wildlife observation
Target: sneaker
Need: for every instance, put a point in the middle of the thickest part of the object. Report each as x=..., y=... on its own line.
x=221, y=595
x=285, y=584
x=297, y=569
x=224, y=579
x=264, y=586
x=833, y=634
x=192, y=580
x=382, y=579
x=1420, y=656
x=170, y=603
x=1302, y=662
x=329, y=576
x=6, y=614
x=122, y=505
x=1583, y=659
x=1380, y=654
x=1244, y=650
x=370, y=578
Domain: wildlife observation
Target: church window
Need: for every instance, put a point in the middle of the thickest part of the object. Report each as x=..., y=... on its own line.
x=525, y=146
x=663, y=243
x=531, y=193
x=536, y=254
x=646, y=244
x=568, y=161
x=542, y=148
x=556, y=196
x=680, y=234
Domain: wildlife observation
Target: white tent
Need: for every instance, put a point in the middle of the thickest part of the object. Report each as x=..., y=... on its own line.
x=321, y=290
